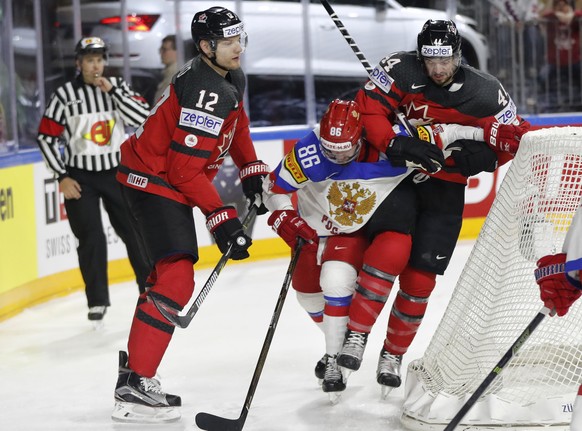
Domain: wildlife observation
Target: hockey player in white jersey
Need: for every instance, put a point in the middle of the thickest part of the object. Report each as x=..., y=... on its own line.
x=339, y=182
x=559, y=278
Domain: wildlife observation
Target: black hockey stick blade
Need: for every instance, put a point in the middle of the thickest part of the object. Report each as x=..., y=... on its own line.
x=183, y=321
x=210, y=422
x=520, y=341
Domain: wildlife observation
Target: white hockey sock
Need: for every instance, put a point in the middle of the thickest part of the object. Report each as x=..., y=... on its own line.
x=334, y=328
x=313, y=304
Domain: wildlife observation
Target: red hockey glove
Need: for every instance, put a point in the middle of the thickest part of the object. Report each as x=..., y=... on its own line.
x=504, y=137
x=251, y=176
x=224, y=225
x=289, y=226
x=555, y=290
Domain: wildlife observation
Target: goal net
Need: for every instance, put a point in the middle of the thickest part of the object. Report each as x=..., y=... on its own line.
x=496, y=297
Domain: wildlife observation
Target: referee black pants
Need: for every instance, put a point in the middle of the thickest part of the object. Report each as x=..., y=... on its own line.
x=85, y=220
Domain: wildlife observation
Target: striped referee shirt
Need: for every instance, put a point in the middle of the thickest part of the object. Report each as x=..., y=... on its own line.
x=89, y=124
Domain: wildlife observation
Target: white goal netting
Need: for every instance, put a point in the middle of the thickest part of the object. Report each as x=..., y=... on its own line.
x=496, y=297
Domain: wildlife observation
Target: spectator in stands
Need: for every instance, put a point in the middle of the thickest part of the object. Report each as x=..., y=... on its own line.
x=561, y=76
x=169, y=57
x=514, y=17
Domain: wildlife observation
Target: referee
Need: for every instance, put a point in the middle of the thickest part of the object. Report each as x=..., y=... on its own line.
x=79, y=135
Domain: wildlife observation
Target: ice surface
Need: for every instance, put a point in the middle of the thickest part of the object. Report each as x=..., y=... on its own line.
x=57, y=373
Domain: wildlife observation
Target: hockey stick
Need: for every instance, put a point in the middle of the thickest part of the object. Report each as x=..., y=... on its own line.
x=520, y=341
x=183, y=321
x=352, y=43
x=210, y=422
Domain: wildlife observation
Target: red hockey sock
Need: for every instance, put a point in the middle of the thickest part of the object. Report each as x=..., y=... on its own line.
x=384, y=259
x=150, y=332
x=408, y=309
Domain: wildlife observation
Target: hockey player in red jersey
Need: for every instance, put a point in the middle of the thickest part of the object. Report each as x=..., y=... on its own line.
x=416, y=229
x=166, y=169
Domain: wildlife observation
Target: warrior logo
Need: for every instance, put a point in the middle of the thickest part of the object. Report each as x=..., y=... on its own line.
x=349, y=202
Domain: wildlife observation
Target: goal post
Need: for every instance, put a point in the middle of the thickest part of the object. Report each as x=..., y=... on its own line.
x=496, y=297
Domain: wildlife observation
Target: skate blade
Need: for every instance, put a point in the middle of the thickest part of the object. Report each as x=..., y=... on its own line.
x=136, y=413
x=334, y=397
x=346, y=373
x=98, y=325
x=385, y=391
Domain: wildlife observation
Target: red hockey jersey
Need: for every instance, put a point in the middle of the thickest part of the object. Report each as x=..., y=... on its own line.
x=178, y=150
x=400, y=82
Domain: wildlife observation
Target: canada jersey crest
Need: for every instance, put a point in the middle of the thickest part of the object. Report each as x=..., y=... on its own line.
x=349, y=202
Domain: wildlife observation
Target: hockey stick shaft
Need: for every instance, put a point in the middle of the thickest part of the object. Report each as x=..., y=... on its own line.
x=520, y=341
x=184, y=321
x=210, y=422
x=352, y=43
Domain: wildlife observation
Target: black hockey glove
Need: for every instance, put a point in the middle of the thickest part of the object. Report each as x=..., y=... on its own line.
x=473, y=157
x=225, y=226
x=415, y=153
x=251, y=176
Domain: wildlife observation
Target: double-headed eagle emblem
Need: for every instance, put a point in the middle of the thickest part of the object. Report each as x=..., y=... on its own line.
x=349, y=202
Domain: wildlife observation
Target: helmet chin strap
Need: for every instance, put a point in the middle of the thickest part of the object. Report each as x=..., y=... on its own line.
x=213, y=61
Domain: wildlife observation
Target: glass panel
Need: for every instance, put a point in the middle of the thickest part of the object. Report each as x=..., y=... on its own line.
x=7, y=135
x=24, y=42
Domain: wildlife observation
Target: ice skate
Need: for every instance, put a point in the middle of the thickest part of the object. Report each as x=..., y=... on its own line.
x=388, y=372
x=333, y=381
x=352, y=352
x=320, y=368
x=96, y=315
x=140, y=399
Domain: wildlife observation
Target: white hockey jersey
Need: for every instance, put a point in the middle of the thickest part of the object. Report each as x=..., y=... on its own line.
x=573, y=249
x=333, y=198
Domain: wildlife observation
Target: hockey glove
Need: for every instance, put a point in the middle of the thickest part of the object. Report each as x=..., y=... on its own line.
x=555, y=290
x=504, y=137
x=251, y=176
x=472, y=157
x=224, y=225
x=415, y=153
x=288, y=225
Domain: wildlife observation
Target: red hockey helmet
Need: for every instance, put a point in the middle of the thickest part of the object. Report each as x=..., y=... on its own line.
x=340, y=131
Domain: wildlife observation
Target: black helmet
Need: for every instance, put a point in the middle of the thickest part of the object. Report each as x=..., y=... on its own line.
x=90, y=45
x=215, y=23
x=438, y=38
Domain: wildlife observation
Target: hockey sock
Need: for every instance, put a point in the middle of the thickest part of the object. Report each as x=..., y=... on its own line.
x=334, y=322
x=408, y=309
x=384, y=259
x=150, y=332
x=305, y=281
x=313, y=304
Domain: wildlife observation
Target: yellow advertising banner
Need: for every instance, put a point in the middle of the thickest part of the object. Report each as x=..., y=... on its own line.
x=18, y=261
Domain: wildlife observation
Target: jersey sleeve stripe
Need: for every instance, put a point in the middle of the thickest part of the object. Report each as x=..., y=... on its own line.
x=194, y=152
